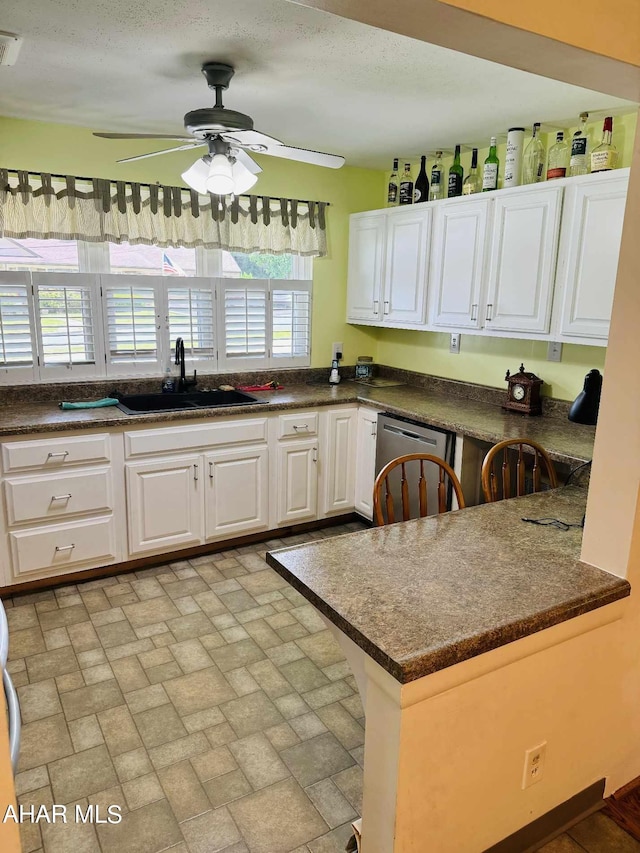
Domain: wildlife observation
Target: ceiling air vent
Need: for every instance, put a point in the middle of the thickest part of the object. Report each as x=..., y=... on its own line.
x=10, y=45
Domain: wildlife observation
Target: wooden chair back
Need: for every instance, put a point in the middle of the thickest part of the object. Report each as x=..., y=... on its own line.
x=383, y=499
x=504, y=469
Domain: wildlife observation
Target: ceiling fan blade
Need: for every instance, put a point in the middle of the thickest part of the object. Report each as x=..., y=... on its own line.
x=192, y=144
x=251, y=137
x=142, y=136
x=304, y=155
x=247, y=161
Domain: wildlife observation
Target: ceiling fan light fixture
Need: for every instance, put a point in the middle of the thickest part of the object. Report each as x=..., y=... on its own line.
x=196, y=175
x=242, y=177
x=220, y=178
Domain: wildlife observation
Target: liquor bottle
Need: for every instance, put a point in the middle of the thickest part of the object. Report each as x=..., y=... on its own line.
x=558, y=158
x=406, y=185
x=605, y=156
x=490, y=171
x=579, y=163
x=421, y=190
x=533, y=169
x=513, y=158
x=392, y=193
x=472, y=183
x=437, y=187
x=455, y=176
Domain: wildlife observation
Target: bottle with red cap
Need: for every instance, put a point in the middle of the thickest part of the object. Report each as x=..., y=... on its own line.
x=605, y=156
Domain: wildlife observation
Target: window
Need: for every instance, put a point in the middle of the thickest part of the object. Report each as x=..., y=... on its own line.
x=16, y=341
x=190, y=317
x=151, y=260
x=132, y=320
x=40, y=255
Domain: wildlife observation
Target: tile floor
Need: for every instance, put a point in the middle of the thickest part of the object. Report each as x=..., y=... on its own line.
x=207, y=699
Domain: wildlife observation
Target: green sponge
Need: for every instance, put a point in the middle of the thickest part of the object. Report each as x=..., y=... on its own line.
x=96, y=404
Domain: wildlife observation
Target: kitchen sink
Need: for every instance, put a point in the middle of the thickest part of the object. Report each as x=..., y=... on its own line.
x=136, y=404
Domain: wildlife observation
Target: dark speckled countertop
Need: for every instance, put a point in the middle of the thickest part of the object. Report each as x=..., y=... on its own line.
x=423, y=595
x=565, y=441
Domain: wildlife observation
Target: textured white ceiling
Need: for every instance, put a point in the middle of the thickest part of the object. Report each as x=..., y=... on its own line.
x=309, y=78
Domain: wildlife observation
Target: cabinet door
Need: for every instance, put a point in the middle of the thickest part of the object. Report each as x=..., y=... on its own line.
x=297, y=481
x=338, y=461
x=458, y=258
x=589, y=249
x=366, y=461
x=236, y=492
x=164, y=504
x=405, y=287
x=523, y=259
x=366, y=265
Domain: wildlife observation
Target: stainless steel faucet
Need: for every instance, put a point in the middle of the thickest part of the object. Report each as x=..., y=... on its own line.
x=183, y=383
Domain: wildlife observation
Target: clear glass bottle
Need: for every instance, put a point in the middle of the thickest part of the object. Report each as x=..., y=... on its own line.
x=456, y=175
x=533, y=167
x=472, y=183
x=605, y=156
x=558, y=158
x=491, y=166
x=393, y=185
x=436, y=190
x=579, y=162
x=421, y=189
x=406, y=185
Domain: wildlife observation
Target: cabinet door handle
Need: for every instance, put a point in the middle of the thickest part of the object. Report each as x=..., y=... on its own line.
x=63, y=453
x=301, y=426
x=374, y=431
x=474, y=311
x=210, y=471
x=315, y=454
x=489, y=309
x=376, y=306
x=65, y=547
x=386, y=306
x=61, y=497
x=195, y=473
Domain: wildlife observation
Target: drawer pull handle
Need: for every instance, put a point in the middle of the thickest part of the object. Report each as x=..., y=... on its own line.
x=63, y=453
x=489, y=311
x=195, y=473
x=474, y=311
x=315, y=454
x=386, y=306
x=61, y=497
x=376, y=306
x=211, y=470
x=300, y=426
x=65, y=547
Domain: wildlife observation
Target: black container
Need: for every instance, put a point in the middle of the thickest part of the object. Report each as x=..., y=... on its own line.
x=584, y=409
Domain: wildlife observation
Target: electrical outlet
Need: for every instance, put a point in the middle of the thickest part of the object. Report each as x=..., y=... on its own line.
x=454, y=343
x=337, y=352
x=534, y=760
x=554, y=351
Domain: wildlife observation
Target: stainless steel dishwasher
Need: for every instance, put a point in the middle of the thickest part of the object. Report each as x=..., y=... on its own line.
x=399, y=436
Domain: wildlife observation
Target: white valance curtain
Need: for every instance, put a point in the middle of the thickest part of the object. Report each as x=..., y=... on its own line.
x=68, y=208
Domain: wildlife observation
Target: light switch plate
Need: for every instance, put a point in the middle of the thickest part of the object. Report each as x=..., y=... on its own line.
x=454, y=343
x=554, y=351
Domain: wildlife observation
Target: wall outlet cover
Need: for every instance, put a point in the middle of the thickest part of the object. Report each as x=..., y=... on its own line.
x=554, y=351
x=337, y=351
x=534, y=761
x=454, y=342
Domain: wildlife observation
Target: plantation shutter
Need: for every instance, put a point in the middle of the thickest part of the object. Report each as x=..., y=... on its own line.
x=190, y=314
x=131, y=315
x=16, y=340
x=291, y=310
x=245, y=321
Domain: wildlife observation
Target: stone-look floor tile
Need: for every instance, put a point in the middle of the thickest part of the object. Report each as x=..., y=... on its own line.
x=129, y=674
x=316, y=759
x=198, y=691
x=203, y=720
x=236, y=655
x=307, y=615
x=321, y=648
x=148, y=612
x=269, y=678
x=90, y=700
x=56, y=638
x=25, y=642
x=31, y=780
x=82, y=774
x=132, y=764
x=358, y=755
x=339, y=721
x=188, y=586
x=147, y=588
x=251, y=713
x=333, y=842
x=285, y=653
x=70, y=681
x=95, y=600
x=76, y=836
x=128, y=649
x=160, y=639
x=119, y=730
x=190, y=655
x=353, y=706
x=146, y=697
x=16, y=666
x=66, y=616
x=214, y=762
x=164, y=672
x=187, y=605
x=155, y=657
x=145, y=830
x=562, y=844
x=291, y=706
x=44, y=741
x=599, y=834
x=263, y=634
x=332, y=805
x=20, y=679
x=96, y=674
x=242, y=681
x=258, y=760
x=83, y=636
x=336, y=671
x=308, y=725
x=85, y=733
x=292, y=632
x=277, y=819
x=259, y=582
x=234, y=634
x=50, y=664
x=224, y=620
x=328, y=694
x=159, y=725
x=304, y=675
x=237, y=600
x=186, y=795
x=110, y=797
x=106, y=617
x=178, y=750
x=281, y=736
x=281, y=620
x=214, y=640
x=224, y=789
x=210, y=603
x=220, y=735
x=190, y=626
x=39, y=700
x=90, y=658
x=213, y=831
x=142, y=791
x=254, y=613
x=115, y=634
x=21, y=617
x=350, y=783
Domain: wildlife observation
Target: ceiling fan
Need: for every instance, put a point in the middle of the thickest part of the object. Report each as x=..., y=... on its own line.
x=227, y=167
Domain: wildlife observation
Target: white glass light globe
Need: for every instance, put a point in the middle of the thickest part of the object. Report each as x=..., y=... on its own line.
x=220, y=180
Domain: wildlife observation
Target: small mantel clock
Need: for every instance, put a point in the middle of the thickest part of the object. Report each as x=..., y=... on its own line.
x=523, y=392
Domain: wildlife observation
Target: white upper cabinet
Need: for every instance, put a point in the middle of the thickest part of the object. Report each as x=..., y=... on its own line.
x=366, y=266
x=589, y=249
x=522, y=259
x=405, y=279
x=457, y=262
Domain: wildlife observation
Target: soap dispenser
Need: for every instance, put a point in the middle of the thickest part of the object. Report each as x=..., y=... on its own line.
x=584, y=409
x=334, y=376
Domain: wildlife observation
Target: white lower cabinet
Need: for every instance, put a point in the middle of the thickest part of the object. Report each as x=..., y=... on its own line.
x=164, y=504
x=236, y=492
x=366, y=438
x=338, y=467
x=296, y=481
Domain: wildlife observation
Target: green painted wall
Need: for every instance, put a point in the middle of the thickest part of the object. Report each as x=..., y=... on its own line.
x=66, y=149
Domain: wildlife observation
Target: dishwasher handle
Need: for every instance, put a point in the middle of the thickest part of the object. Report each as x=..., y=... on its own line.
x=414, y=436
x=15, y=723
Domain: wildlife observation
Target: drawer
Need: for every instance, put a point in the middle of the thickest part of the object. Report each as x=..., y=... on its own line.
x=147, y=442
x=299, y=425
x=74, y=544
x=54, y=453
x=58, y=495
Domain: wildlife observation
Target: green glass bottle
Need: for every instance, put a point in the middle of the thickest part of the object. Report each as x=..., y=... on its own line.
x=455, y=176
x=490, y=171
